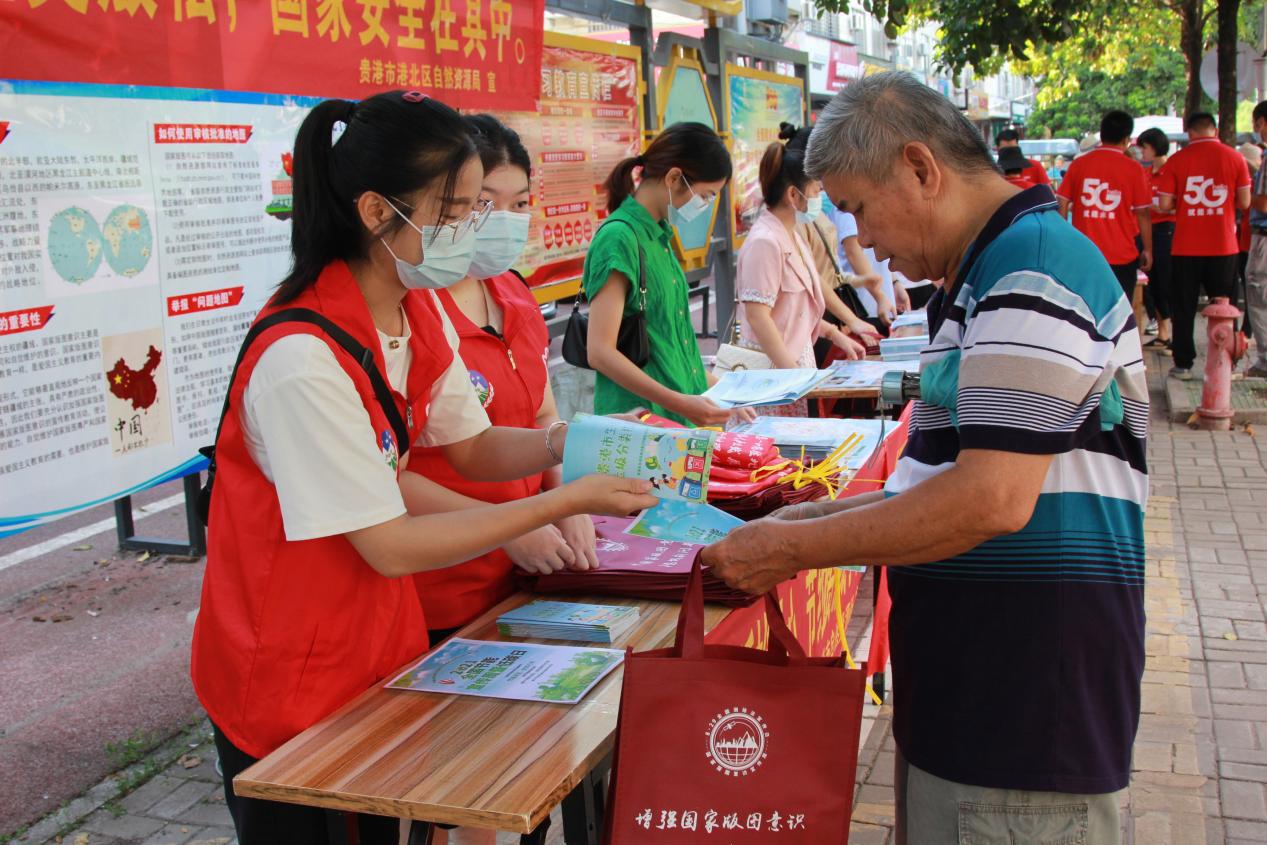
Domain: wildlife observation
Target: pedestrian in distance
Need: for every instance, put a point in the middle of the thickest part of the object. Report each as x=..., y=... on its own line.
x=1033, y=171
x=1108, y=198
x=1014, y=521
x=1206, y=185
x=1154, y=149
x=1256, y=267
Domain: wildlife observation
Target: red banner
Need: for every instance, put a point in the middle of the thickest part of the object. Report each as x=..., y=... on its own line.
x=25, y=319
x=481, y=54
x=210, y=300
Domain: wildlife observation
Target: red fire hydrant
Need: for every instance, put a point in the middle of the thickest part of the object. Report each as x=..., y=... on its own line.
x=1226, y=347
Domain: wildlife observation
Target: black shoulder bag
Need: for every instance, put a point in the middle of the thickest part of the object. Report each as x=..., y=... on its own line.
x=843, y=289
x=631, y=341
x=363, y=356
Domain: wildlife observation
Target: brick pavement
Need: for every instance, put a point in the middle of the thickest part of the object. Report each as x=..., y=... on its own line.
x=1200, y=769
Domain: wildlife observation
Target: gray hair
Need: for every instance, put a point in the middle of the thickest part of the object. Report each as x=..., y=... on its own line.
x=862, y=131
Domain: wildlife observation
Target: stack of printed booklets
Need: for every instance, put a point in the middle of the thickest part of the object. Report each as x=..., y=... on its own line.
x=755, y=388
x=565, y=620
x=902, y=348
x=636, y=566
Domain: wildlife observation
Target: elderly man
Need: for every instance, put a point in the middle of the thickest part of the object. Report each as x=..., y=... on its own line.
x=1014, y=521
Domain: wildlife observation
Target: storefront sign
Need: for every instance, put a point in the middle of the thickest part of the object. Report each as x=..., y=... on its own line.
x=842, y=66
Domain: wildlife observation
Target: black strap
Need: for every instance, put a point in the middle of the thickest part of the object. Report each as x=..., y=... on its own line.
x=362, y=355
x=642, y=269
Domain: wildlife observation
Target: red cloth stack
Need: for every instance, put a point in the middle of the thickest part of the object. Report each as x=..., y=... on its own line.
x=638, y=567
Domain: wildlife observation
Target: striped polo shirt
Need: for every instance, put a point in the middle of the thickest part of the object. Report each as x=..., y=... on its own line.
x=1017, y=664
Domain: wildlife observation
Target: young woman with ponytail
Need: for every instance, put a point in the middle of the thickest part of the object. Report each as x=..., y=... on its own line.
x=679, y=174
x=781, y=297
x=303, y=604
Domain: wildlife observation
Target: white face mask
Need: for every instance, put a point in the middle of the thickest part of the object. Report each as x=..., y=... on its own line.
x=499, y=243
x=445, y=258
x=690, y=210
x=813, y=208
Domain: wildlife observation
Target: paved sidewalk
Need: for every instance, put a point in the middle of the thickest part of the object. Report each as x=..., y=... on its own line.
x=1201, y=754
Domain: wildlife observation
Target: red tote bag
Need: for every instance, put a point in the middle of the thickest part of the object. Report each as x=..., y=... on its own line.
x=734, y=745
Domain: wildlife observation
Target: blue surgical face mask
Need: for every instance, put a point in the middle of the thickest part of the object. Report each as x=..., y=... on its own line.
x=813, y=208
x=445, y=258
x=499, y=243
x=690, y=210
x=1256, y=136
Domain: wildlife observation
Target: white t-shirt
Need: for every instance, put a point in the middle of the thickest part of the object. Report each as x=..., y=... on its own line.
x=308, y=431
x=847, y=227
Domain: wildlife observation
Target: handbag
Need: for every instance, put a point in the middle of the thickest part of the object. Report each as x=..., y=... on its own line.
x=756, y=745
x=843, y=289
x=631, y=340
x=731, y=357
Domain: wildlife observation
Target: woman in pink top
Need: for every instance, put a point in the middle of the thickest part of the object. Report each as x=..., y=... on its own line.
x=780, y=295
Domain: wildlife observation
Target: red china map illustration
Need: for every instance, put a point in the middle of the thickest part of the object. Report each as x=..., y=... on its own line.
x=136, y=386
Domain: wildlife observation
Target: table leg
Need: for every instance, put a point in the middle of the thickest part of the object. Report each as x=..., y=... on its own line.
x=583, y=808
x=421, y=833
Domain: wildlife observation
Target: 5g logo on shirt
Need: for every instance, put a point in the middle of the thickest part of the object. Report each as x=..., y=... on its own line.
x=1203, y=196
x=1099, y=200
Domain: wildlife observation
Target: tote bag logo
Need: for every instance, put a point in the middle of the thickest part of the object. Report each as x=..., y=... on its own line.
x=737, y=741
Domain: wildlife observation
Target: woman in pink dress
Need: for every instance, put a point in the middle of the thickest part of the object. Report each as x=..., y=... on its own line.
x=780, y=295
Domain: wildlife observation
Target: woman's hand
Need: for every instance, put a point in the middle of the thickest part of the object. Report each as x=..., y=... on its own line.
x=606, y=494
x=742, y=415
x=578, y=533
x=701, y=411
x=853, y=349
x=862, y=328
x=540, y=552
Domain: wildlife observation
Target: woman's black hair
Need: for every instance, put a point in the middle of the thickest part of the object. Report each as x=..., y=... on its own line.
x=783, y=165
x=394, y=144
x=693, y=147
x=498, y=144
x=1156, y=139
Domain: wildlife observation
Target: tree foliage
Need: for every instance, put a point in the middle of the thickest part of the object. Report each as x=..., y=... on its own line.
x=1151, y=81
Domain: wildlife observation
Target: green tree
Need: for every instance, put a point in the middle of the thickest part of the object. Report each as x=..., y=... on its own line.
x=1148, y=80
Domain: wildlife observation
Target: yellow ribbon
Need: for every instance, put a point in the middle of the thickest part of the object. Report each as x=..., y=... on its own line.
x=840, y=628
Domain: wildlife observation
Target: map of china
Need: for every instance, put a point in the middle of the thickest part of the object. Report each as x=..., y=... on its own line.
x=136, y=386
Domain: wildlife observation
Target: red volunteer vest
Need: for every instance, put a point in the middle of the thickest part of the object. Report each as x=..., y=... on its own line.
x=290, y=631
x=510, y=376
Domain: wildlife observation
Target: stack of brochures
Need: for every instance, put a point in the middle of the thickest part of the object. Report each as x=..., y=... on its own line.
x=754, y=388
x=865, y=374
x=818, y=437
x=917, y=319
x=902, y=348
x=564, y=620
x=635, y=566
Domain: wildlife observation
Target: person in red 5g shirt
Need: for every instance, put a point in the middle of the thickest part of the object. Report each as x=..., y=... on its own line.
x=1110, y=197
x=1206, y=184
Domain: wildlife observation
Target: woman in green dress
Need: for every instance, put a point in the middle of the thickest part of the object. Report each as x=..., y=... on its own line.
x=682, y=171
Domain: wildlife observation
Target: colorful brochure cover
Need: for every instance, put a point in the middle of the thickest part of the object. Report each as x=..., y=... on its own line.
x=754, y=388
x=570, y=613
x=675, y=460
x=684, y=522
x=518, y=671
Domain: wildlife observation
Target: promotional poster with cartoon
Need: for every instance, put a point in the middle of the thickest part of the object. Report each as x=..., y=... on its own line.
x=675, y=461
